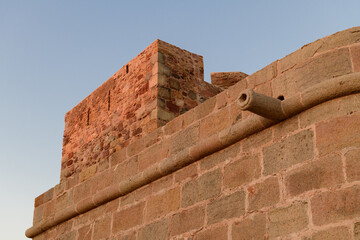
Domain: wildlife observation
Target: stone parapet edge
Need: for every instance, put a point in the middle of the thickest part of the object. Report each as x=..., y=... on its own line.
x=315, y=95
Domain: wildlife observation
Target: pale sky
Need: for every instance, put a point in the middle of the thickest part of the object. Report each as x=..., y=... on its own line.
x=55, y=53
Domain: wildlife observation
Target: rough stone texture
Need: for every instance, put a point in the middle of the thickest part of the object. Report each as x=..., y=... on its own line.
x=202, y=188
x=290, y=151
x=338, y=133
x=355, y=54
x=159, y=84
x=288, y=220
x=334, y=206
x=226, y=207
x=336, y=233
x=353, y=165
x=134, y=216
x=253, y=227
x=214, y=233
x=226, y=79
x=162, y=204
x=325, y=172
x=154, y=231
x=264, y=194
x=187, y=220
x=242, y=171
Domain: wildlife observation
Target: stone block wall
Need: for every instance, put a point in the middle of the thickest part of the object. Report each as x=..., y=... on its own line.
x=203, y=175
x=162, y=82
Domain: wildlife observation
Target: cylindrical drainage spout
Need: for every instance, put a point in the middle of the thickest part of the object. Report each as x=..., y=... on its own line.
x=260, y=104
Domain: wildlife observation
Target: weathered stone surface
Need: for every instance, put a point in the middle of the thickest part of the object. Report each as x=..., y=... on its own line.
x=324, y=66
x=290, y=151
x=335, y=233
x=334, y=206
x=214, y=233
x=202, y=188
x=187, y=220
x=264, y=194
x=184, y=139
x=353, y=165
x=323, y=173
x=134, y=216
x=226, y=79
x=102, y=228
x=214, y=123
x=340, y=39
x=244, y=170
x=338, y=133
x=229, y=206
x=154, y=231
x=162, y=204
x=287, y=220
x=331, y=109
x=219, y=157
x=253, y=227
x=355, y=57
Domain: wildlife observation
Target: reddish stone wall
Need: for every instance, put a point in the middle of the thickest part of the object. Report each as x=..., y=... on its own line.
x=298, y=179
x=159, y=84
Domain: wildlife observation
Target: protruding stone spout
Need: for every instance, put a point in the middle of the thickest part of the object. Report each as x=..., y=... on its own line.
x=260, y=104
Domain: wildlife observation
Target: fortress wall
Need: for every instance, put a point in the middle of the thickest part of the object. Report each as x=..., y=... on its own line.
x=159, y=84
x=297, y=179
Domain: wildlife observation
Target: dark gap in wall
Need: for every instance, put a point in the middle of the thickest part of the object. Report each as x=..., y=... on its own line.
x=88, y=117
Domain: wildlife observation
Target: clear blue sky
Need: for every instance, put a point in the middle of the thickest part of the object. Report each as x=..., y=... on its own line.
x=54, y=53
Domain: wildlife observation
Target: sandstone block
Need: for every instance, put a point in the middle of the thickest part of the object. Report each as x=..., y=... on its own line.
x=338, y=133
x=87, y=173
x=290, y=151
x=253, y=227
x=134, y=216
x=264, y=194
x=84, y=233
x=205, y=108
x=185, y=138
x=340, y=39
x=154, y=231
x=242, y=171
x=265, y=74
x=331, y=109
x=187, y=220
x=189, y=171
x=353, y=165
x=226, y=207
x=45, y=197
x=355, y=57
x=226, y=79
x=162, y=204
x=303, y=53
x=288, y=220
x=214, y=233
x=257, y=140
x=321, y=67
x=217, y=158
x=102, y=228
x=324, y=173
x=335, y=233
x=333, y=206
x=214, y=123
x=202, y=188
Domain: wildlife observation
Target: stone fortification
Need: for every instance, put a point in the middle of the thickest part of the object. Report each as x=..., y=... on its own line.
x=217, y=172
x=159, y=84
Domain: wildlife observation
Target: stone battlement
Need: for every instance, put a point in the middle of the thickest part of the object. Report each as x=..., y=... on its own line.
x=215, y=171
